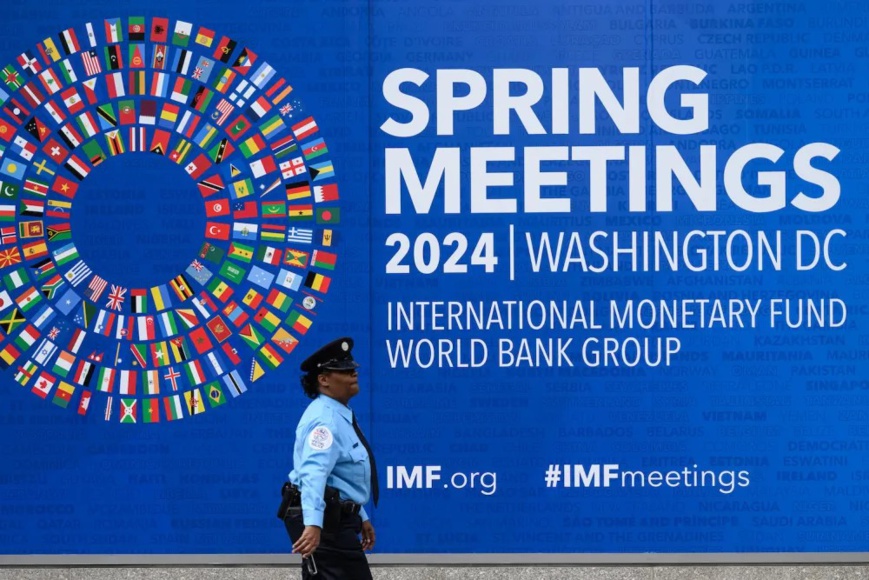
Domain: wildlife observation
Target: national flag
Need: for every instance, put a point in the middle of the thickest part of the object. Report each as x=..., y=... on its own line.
x=148, y=112
x=317, y=282
x=28, y=299
x=296, y=258
x=43, y=385
x=278, y=300
x=198, y=166
x=221, y=290
x=181, y=287
x=92, y=64
x=159, y=84
x=138, y=139
x=84, y=402
x=267, y=319
x=113, y=30
x=113, y=58
x=138, y=301
x=44, y=351
x=106, y=379
x=12, y=168
x=328, y=215
x=195, y=404
x=107, y=116
x=270, y=356
x=204, y=304
x=240, y=252
x=129, y=410
x=187, y=317
x=188, y=123
x=219, y=329
x=263, y=166
x=151, y=410
x=305, y=128
x=28, y=335
x=181, y=89
x=201, y=99
x=168, y=326
x=116, y=297
x=215, y=394
x=244, y=61
x=115, y=85
x=202, y=70
x=77, y=167
x=77, y=274
x=159, y=29
x=210, y=185
x=158, y=58
x=28, y=63
x=151, y=382
x=205, y=37
x=115, y=142
x=140, y=354
x=160, y=353
x=284, y=340
x=13, y=280
x=172, y=405
x=252, y=145
x=136, y=29
x=269, y=255
x=224, y=48
x=182, y=61
x=322, y=170
x=224, y=80
x=194, y=371
x=181, y=35
x=64, y=363
x=182, y=148
x=179, y=348
x=200, y=341
x=251, y=336
x=273, y=127
x=50, y=80
x=63, y=394
x=69, y=76
x=314, y=149
x=216, y=231
x=88, y=126
x=241, y=188
x=299, y=322
x=298, y=190
x=126, y=112
x=51, y=286
x=323, y=259
x=325, y=193
x=48, y=51
x=300, y=235
x=69, y=41
x=234, y=383
x=160, y=143
x=258, y=109
x=292, y=167
x=161, y=297
x=137, y=83
x=262, y=75
x=301, y=212
x=168, y=116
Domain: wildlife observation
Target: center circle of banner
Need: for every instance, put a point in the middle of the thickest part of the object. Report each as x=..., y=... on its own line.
x=124, y=91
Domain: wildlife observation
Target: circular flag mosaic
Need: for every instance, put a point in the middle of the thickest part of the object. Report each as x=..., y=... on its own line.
x=216, y=109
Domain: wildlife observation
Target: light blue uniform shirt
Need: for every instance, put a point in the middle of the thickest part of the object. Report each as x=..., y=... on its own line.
x=328, y=452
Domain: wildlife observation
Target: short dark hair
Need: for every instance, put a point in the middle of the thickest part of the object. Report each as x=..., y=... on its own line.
x=311, y=385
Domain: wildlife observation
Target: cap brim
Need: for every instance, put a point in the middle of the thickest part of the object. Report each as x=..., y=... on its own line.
x=344, y=365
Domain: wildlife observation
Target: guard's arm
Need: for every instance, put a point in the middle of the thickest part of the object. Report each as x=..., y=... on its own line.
x=318, y=457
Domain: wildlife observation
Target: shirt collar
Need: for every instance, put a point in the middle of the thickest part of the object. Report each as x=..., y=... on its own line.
x=339, y=408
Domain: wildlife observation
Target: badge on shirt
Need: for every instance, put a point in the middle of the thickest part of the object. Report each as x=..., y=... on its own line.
x=320, y=439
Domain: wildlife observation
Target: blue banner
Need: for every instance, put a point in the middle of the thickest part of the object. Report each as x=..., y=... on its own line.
x=602, y=265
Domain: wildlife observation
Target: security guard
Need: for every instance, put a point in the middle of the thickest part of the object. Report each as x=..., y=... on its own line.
x=334, y=471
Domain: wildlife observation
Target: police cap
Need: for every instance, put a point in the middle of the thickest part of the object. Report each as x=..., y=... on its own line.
x=335, y=356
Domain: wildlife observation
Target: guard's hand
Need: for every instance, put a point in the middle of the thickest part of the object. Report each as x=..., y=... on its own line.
x=307, y=542
x=367, y=535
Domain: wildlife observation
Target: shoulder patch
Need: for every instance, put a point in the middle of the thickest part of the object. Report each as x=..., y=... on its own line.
x=320, y=439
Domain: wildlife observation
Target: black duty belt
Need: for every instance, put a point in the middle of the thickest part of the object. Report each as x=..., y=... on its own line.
x=331, y=498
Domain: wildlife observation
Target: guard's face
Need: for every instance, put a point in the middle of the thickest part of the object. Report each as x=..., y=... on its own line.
x=340, y=385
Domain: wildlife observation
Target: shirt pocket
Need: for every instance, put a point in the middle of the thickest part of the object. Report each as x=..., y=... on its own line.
x=361, y=467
